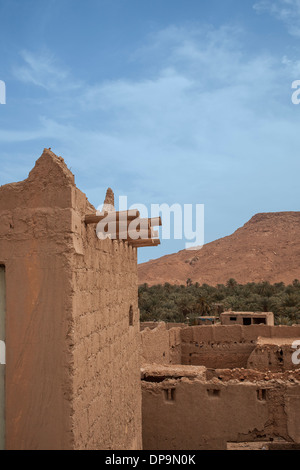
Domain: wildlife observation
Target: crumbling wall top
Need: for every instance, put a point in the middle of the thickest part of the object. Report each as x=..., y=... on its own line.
x=49, y=184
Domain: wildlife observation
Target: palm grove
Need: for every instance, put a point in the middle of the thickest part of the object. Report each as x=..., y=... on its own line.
x=183, y=303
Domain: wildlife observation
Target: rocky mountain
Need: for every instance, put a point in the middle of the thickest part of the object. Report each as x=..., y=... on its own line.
x=267, y=248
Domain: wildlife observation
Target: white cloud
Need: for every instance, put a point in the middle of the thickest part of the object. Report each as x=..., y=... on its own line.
x=287, y=11
x=203, y=114
x=43, y=71
x=200, y=120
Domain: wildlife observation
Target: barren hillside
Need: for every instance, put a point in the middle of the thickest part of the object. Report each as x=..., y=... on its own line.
x=267, y=248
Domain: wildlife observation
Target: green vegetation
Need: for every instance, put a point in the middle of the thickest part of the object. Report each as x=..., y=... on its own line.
x=183, y=303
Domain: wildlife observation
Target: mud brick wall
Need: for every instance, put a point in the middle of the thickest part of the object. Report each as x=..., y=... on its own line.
x=36, y=248
x=107, y=395
x=72, y=360
x=215, y=346
x=152, y=325
x=273, y=357
x=197, y=414
x=227, y=346
x=161, y=345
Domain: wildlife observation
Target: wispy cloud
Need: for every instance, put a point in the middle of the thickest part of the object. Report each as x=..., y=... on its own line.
x=203, y=113
x=287, y=11
x=43, y=70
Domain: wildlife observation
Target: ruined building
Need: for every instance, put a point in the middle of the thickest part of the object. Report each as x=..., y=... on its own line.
x=217, y=387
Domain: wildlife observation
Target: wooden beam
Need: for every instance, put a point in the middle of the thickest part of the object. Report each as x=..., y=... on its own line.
x=119, y=217
x=144, y=243
x=125, y=235
x=93, y=218
x=154, y=233
x=155, y=222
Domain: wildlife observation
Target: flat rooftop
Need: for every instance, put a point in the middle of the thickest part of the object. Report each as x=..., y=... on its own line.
x=247, y=313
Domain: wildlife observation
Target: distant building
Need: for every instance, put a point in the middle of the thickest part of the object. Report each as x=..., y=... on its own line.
x=247, y=318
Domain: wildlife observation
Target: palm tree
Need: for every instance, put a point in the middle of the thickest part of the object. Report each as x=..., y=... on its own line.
x=231, y=283
x=202, y=306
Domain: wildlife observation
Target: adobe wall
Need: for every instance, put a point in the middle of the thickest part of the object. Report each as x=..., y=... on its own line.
x=274, y=355
x=214, y=346
x=72, y=365
x=36, y=248
x=106, y=353
x=161, y=345
x=181, y=412
x=152, y=325
x=221, y=346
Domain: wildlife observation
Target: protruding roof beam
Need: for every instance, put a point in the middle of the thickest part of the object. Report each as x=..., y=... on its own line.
x=121, y=216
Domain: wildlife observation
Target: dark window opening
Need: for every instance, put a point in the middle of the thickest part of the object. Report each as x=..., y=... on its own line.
x=280, y=355
x=169, y=394
x=213, y=392
x=246, y=321
x=233, y=318
x=131, y=316
x=261, y=394
x=259, y=321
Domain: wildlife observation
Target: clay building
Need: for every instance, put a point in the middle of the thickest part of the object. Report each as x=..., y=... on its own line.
x=69, y=318
x=247, y=318
x=78, y=371
x=220, y=387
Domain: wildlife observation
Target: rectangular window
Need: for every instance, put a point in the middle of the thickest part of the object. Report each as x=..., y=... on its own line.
x=2, y=357
x=213, y=392
x=247, y=321
x=131, y=316
x=233, y=318
x=261, y=394
x=169, y=394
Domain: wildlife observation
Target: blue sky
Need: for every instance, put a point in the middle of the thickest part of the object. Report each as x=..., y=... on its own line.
x=166, y=101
